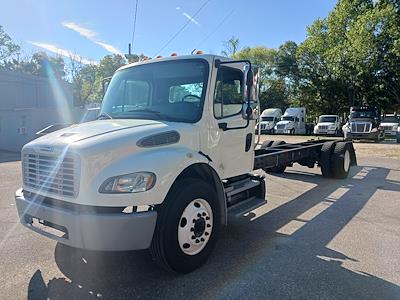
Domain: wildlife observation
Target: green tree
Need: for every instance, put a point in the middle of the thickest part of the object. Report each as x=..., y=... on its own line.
x=231, y=47
x=7, y=47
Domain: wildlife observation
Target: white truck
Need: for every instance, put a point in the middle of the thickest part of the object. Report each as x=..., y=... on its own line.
x=328, y=125
x=171, y=155
x=268, y=120
x=389, y=125
x=293, y=121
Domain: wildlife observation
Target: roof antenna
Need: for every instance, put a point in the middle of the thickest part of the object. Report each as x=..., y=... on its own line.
x=193, y=51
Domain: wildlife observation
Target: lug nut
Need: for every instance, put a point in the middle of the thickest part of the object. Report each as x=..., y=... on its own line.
x=206, y=233
x=192, y=229
x=202, y=239
x=199, y=215
x=197, y=241
x=208, y=225
x=207, y=218
x=193, y=237
x=203, y=214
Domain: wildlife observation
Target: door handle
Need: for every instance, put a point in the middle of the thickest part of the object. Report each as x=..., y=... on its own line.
x=223, y=126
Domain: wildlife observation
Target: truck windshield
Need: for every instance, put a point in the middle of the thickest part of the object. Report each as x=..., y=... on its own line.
x=391, y=119
x=327, y=119
x=287, y=118
x=170, y=91
x=267, y=118
x=368, y=114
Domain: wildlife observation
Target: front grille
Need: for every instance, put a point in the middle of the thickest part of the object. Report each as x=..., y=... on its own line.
x=323, y=127
x=361, y=127
x=52, y=174
x=387, y=128
x=280, y=126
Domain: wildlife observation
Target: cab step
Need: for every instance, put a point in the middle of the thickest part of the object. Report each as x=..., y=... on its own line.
x=245, y=206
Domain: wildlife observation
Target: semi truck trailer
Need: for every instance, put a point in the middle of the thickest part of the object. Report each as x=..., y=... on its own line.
x=172, y=155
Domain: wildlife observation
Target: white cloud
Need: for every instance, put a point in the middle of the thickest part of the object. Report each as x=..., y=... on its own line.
x=190, y=18
x=63, y=52
x=178, y=8
x=91, y=36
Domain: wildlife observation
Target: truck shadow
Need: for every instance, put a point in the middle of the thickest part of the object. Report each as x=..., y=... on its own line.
x=253, y=258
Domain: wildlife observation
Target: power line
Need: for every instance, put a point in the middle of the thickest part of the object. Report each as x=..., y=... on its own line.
x=134, y=24
x=182, y=28
x=216, y=28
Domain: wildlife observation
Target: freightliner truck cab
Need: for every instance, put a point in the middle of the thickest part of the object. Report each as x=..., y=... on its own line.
x=170, y=128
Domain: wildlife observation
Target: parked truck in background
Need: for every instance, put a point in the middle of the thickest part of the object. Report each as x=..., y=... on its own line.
x=328, y=125
x=389, y=125
x=171, y=155
x=268, y=119
x=293, y=121
x=363, y=124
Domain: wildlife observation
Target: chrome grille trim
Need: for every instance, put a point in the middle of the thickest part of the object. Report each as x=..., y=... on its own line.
x=280, y=126
x=361, y=127
x=47, y=173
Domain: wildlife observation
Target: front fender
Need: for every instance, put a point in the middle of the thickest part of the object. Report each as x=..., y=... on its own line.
x=167, y=163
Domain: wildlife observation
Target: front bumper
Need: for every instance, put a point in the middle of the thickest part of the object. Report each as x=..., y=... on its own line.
x=88, y=230
x=282, y=131
x=363, y=136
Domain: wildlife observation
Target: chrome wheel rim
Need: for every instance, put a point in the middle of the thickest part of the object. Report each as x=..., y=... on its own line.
x=346, y=160
x=195, y=227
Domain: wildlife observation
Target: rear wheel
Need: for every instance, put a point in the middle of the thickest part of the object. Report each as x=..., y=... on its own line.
x=187, y=226
x=325, y=159
x=341, y=160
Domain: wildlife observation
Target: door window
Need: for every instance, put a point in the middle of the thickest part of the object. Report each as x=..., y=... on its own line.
x=228, y=95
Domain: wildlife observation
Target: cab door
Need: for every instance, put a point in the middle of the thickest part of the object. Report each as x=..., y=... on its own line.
x=234, y=153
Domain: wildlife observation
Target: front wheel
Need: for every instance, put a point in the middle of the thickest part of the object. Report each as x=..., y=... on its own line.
x=187, y=226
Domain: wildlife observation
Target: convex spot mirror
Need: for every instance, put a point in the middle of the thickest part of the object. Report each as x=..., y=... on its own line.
x=250, y=112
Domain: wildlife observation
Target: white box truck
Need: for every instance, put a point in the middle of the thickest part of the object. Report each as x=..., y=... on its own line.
x=268, y=120
x=171, y=155
x=293, y=121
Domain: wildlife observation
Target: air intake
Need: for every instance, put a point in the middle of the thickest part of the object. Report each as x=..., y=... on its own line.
x=159, y=139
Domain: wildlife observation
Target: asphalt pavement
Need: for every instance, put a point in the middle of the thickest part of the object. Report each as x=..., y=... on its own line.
x=315, y=238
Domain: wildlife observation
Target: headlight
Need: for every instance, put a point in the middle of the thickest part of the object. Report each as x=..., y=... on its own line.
x=129, y=183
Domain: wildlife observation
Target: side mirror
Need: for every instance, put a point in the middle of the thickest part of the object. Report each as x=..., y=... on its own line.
x=250, y=78
x=105, y=83
x=249, y=112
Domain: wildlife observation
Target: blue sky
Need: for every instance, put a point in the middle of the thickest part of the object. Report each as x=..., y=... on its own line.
x=92, y=29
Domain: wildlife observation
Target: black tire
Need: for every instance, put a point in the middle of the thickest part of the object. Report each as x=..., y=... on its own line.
x=398, y=139
x=341, y=165
x=292, y=131
x=280, y=168
x=266, y=144
x=165, y=248
x=273, y=131
x=325, y=159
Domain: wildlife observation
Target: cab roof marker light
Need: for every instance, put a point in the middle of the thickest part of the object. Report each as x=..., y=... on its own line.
x=174, y=54
x=199, y=52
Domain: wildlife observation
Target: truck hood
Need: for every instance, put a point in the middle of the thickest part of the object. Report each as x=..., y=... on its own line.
x=79, y=132
x=326, y=124
x=286, y=123
x=268, y=124
x=389, y=124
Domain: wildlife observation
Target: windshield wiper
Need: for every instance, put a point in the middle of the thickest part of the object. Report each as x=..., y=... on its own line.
x=103, y=116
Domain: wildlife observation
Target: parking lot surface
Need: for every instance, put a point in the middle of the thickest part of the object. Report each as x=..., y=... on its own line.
x=315, y=238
